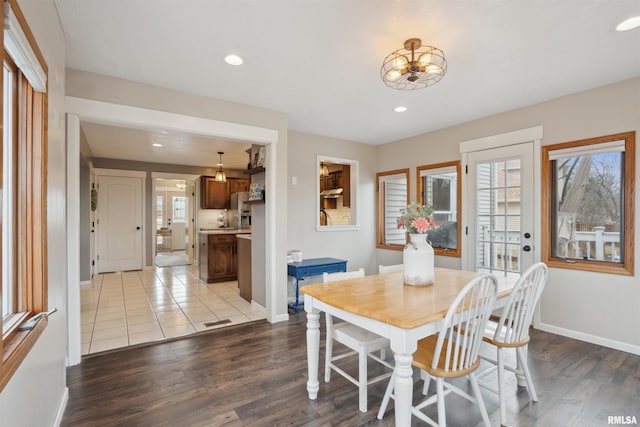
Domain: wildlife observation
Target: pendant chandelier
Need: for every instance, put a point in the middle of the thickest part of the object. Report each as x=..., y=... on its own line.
x=220, y=175
x=413, y=67
x=324, y=170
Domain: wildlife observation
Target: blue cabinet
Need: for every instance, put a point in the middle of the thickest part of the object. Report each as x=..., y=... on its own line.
x=312, y=267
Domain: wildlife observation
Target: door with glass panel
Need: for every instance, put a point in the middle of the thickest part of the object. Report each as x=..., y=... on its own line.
x=501, y=210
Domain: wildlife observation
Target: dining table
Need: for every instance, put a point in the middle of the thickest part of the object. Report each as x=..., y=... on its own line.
x=383, y=304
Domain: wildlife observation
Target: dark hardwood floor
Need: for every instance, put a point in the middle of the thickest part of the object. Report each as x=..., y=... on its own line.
x=255, y=375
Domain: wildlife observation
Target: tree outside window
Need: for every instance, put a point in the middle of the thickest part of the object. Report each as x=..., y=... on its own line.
x=590, y=203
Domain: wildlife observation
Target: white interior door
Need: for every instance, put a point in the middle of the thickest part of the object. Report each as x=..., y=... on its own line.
x=500, y=198
x=120, y=223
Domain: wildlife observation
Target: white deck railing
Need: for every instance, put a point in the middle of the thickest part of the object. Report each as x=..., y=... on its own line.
x=587, y=244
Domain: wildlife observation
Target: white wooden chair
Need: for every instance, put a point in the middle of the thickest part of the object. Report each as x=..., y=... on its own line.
x=384, y=269
x=360, y=341
x=512, y=331
x=453, y=353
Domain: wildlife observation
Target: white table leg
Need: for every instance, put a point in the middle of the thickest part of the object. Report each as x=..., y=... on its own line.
x=403, y=389
x=313, y=350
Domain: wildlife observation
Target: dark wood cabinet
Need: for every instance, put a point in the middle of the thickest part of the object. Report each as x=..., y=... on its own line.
x=346, y=185
x=215, y=195
x=244, y=268
x=337, y=179
x=237, y=185
x=218, y=257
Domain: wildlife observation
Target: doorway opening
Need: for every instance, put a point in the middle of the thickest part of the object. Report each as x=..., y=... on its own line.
x=174, y=221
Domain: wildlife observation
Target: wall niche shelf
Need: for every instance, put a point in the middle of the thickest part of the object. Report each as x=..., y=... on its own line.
x=255, y=170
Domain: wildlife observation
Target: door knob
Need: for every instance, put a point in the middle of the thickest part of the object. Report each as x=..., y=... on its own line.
x=527, y=235
x=526, y=248
x=137, y=228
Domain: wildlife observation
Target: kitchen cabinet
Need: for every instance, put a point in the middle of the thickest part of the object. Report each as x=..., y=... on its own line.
x=237, y=185
x=215, y=195
x=244, y=266
x=346, y=185
x=337, y=179
x=218, y=257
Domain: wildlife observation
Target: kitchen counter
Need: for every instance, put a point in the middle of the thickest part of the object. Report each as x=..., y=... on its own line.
x=246, y=236
x=225, y=231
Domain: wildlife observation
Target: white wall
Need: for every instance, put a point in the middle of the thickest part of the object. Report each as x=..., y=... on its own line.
x=37, y=392
x=596, y=307
x=357, y=247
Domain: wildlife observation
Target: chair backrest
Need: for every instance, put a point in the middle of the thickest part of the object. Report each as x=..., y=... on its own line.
x=464, y=325
x=383, y=269
x=334, y=277
x=517, y=314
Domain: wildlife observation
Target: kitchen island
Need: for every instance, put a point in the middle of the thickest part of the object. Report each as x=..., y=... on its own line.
x=219, y=254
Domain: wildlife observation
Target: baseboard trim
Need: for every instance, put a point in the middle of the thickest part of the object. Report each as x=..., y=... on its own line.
x=593, y=339
x=62, y=407
x=279, y=318
x=257, y=305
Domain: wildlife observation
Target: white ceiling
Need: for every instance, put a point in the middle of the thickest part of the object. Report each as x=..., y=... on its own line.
x=319, y=60
x=114, y=142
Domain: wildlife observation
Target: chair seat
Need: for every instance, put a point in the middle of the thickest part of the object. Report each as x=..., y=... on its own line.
x=501, y=340
x=355, y=337
x=423, y=358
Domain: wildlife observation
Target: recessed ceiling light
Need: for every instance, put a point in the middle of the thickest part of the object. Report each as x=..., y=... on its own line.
x=233, y=60
x=400, y=109
x=156, y=145
x=164, y=132
x=629, y=24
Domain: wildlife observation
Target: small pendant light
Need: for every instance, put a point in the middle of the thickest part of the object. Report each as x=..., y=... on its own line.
x=220, y=175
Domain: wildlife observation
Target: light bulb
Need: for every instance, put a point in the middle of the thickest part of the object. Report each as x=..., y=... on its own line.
x=400, y=62
x=425, y=59
x=434, y=69
x=393, y=75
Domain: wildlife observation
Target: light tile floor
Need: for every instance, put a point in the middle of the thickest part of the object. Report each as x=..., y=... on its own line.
x=134, y=307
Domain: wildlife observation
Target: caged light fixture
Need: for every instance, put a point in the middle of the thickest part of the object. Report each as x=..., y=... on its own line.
x=415, y=66
x=220, y=175
x=324, y=170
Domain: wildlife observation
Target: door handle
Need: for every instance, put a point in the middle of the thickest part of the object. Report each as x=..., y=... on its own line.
x=137, y=228
x=526, y=248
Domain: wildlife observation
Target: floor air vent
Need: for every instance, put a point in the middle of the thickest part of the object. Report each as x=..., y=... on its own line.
x=219, y=322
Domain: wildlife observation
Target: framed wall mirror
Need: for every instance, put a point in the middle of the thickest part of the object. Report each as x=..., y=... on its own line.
x=439, y=186
x=337, y=194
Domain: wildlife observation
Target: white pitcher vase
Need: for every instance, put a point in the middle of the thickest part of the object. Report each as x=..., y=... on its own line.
x=418, y=259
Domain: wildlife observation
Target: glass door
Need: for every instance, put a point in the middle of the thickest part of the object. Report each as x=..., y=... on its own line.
x=500, y=198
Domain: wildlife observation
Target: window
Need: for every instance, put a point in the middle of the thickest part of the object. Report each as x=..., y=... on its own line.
x=180, y=209
x=159, y=211
x=439, y=187
x=23, y=190
x=588, y=204
x=393, y=194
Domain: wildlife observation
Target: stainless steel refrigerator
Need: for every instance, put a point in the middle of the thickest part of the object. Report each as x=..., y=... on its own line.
x=239, y=214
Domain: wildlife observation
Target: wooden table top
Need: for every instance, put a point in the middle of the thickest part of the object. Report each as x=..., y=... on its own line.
x=386, y=298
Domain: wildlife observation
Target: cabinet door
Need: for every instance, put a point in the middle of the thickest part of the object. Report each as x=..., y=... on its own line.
x=204, y=257
x=223, y=264
x=338, y=179
x=237, y=185
x=346, y=186
x=214, y=195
